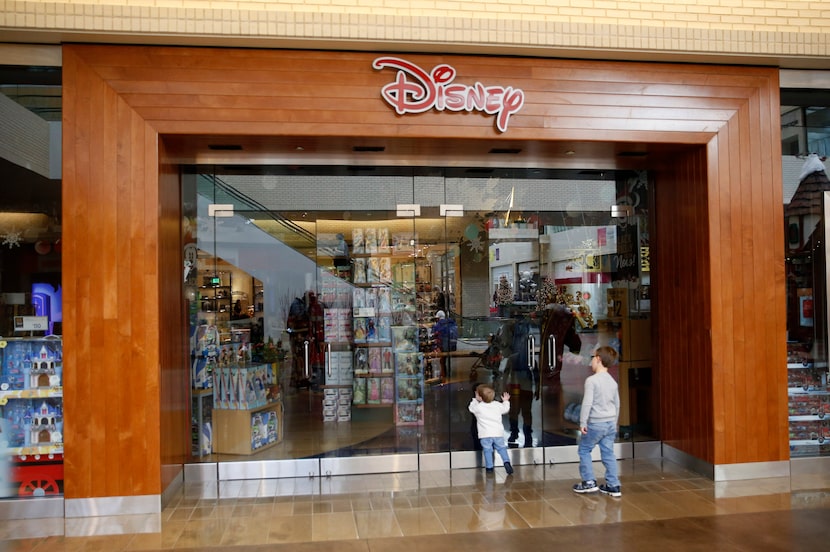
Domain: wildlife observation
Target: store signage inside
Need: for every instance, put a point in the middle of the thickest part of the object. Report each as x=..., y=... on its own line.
x=31, y=323
x=415, y=91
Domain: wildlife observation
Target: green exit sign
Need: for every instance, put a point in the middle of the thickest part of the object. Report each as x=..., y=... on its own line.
x=216, y=280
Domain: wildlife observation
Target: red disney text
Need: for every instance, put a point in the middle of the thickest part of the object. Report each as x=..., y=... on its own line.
x=416, y=91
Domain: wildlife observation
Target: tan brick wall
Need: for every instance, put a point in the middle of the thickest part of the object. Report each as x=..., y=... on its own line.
x=768, y=29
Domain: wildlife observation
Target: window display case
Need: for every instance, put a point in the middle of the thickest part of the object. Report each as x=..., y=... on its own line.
x=31, y=415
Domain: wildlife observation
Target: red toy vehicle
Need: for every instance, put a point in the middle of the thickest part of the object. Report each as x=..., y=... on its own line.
x=38, y=474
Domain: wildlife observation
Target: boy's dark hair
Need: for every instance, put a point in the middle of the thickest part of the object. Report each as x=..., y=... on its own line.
x=486, y=392
x=608, y=356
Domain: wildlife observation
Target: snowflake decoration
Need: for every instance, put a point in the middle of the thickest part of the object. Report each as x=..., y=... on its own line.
x=475, y=244
x=13, y=238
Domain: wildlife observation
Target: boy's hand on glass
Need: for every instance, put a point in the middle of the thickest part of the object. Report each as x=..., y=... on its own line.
x=505, y=397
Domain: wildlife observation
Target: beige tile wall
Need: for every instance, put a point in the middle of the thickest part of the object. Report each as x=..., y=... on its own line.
x=770, y=30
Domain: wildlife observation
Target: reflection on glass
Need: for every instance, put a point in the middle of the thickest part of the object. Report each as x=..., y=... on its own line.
x=313, y=301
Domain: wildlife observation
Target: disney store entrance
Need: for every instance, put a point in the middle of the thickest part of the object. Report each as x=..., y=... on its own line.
x=341, y=317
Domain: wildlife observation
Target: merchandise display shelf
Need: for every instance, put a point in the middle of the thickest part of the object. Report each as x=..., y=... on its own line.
x=248, y=431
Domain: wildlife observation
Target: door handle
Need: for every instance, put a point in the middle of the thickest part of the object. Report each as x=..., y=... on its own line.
x=328, y=359
x=531, y=350
x=552, y=352
x=305, y=355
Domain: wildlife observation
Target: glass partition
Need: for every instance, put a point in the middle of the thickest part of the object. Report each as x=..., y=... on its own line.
x=805, y=142
x=347, y=314
x=31, y=294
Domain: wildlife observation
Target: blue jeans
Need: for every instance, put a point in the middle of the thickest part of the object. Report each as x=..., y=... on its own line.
x=604, y=434
x=487, y=446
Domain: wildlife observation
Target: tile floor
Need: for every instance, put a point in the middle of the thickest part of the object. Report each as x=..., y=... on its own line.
x=450, y=509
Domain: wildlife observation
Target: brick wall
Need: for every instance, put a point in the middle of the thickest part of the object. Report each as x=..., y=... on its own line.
x=770, y=28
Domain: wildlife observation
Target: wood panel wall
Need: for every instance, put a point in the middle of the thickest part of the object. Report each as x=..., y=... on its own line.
x=718, y=261
x=682, y=320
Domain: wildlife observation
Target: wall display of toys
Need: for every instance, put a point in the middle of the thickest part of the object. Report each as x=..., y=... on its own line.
x=371, y=321
x=409, y=376
x=373, y=376
x=31, y=415
x=809, y=407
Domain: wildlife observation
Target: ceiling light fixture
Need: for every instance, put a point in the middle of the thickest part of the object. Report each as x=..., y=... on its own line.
x=225, y=147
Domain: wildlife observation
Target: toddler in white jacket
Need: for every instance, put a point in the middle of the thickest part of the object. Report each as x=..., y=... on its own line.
x=489, y=414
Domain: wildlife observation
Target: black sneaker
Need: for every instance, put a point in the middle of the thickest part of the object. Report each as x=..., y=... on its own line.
x=611, y=491
x=586, y=487
x=508, y=468
x=488, y=470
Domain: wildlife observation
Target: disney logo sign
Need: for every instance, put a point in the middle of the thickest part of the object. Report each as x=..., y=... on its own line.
x=416, y=91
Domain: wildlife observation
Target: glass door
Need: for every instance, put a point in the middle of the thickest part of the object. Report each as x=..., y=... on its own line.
x=306, y=308
x=550, y=267
x=498, y=263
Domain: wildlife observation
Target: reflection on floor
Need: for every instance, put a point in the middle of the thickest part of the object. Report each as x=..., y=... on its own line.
x=446, y=424
x=663, y=505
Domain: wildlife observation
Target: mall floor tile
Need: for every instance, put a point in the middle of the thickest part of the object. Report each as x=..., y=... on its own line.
x=663, y=506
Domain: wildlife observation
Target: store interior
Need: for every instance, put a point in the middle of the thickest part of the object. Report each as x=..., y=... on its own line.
x=338, y=297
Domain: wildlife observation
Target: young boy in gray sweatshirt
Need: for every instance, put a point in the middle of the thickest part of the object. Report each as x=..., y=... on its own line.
x=598, y=425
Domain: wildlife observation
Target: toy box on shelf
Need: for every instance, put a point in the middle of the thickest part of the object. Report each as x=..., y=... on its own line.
x=247, y=408
x=31, y=414
x=337, y=391
x=809, y=405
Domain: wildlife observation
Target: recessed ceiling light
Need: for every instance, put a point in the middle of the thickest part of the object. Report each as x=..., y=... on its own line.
x=570, y=152
x=225, y=147
x=299, y=148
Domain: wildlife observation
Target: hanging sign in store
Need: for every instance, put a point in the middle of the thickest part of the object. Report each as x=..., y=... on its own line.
x=415, y=91
x=31, y=323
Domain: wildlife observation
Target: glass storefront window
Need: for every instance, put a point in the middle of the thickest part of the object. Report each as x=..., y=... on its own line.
x=320, y=298
x=805, y=143
x=31, y=353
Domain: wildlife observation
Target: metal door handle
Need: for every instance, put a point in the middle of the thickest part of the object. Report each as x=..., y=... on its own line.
x=552, y=352
x=305, y=355
x=328, y=359
x=531, y=350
